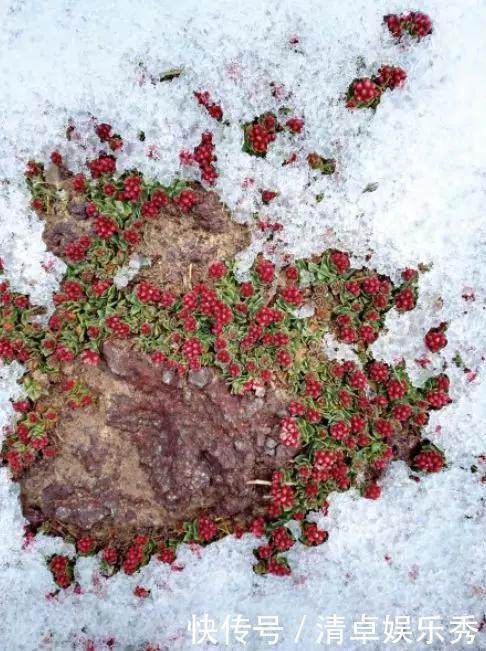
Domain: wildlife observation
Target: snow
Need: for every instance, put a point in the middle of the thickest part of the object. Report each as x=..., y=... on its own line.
x=424, y=148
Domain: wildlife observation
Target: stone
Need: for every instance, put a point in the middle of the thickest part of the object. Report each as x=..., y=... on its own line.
x=151, y=452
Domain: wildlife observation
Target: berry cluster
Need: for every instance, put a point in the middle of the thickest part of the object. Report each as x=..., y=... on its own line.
x=62, y=570
x=263, y=130
x=203, y=156
x=214, y=109
x=367, y=92
x=435, y=338
x=29, y=440
x=105, y=134
x=414, y=23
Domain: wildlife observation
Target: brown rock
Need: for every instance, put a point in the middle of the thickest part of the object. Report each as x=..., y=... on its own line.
x=153, y=451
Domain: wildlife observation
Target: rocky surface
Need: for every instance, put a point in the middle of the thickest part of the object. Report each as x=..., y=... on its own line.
x=153, y=450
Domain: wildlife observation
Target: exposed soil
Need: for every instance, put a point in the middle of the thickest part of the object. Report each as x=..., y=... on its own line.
x=153, y=450
x=179, y=245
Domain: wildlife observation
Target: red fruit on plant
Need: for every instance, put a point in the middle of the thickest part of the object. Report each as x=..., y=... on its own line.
x=435, y=339
x=143, y=593
x=268, y=195
x=265, y=551
x=76, y=251
x=391, y=77
x=100, y=286
x=79, y=183
x=367, y=333
x=405, y=300
x=105, y=227
x=340, y=430
x=437, y=399
x=340, y=260
x=56, y=158
x=409, y=274
x=353, y=287
x=313, y=387
x=429, y=461
x=402, y=412
x=363, y=93
x=21, y=302
x=348, y=335
x=86, y=545
x=103, y=131
x=266, y=375
x=166, y=555
x=378, y=371
x=247, y=289
x=325, y=458
x=217, y=269
x=292, y=295
x=21, y=406
x=257, y=527
x=91, y=209
x=103, y=165
x=442, y=382
x=383, y=428
x=32, y=168
x=358, y=380
x=419, y=24
x=281, y=539
x=372, y=491
x=284, y=358
x=110, y=555
x=371, y=285
x=396, y=389
x=59, y=564
x=148, y=293
x=266, y=316
x=278, y=567
x=292, y=273
x=283, y=495
x=312, y=535
x=415, y=23
x=131, y=237
x=207, y=529
x=259, y=138
x=215, y=111
x=90, y=357
x=289, y=432
x=357, y=423
x=266, y=271
x=296, y=408
x=73, y=290
x=133, y=559
x=132, y=188
x=186, y=200
x=295, y=124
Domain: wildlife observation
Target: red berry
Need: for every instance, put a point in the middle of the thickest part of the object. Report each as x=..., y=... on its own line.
x=429, y=461
x=56, y=158
x=435, y=339
x=372, y=491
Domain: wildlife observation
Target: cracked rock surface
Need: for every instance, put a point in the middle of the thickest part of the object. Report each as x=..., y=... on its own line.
x=153, y=450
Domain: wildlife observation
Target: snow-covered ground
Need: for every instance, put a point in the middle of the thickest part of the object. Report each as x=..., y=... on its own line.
x=420, y=550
